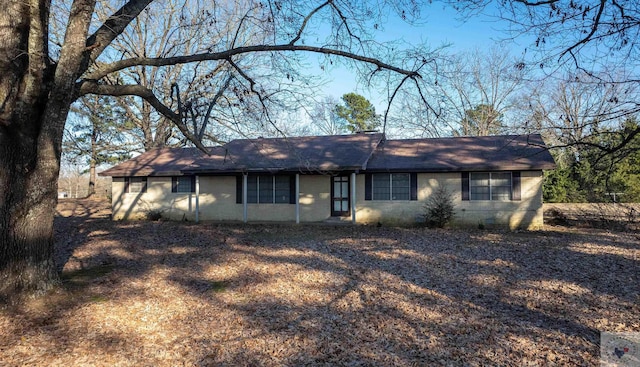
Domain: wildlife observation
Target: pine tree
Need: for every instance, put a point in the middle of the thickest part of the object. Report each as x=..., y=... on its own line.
x=358, y=112
x=96, y=135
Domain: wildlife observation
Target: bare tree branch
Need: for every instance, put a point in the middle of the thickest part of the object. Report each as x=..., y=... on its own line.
x=146, y=94
x=252, y=84
x=226, y=55
x=536, y=3
x=214, y=101
x=111, y=29
x=395, y=92
x=306, y=20
x=587, y=38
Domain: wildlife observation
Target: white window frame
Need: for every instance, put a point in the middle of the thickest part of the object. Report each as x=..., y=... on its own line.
x=390, y=198
x=273, y=189
x=491, y=186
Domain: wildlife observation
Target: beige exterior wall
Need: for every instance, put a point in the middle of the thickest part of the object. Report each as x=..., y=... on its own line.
x=526, y=213
x=218, y=202
x=390, y=212
x=218, y=198
x=157, y=198
x=315, y=198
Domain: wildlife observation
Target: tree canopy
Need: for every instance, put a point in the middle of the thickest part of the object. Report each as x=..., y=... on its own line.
x=358, y=112
x=96, y=134
x=584, y=174
x=594, y=42
x=481, y=120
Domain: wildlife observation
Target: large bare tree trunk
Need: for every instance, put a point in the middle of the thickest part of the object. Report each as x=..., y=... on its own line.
x=35, y=98
x=29, y=196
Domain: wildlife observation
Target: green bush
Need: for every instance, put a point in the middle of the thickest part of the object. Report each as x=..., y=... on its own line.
x=439, y=209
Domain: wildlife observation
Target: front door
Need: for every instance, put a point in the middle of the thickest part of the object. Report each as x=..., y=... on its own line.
x=340, y=196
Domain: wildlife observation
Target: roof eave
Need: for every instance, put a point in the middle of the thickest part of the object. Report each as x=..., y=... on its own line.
x=464, y=168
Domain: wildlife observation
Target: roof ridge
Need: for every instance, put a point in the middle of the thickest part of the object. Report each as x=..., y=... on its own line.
x=306, y=137
x=466, y=137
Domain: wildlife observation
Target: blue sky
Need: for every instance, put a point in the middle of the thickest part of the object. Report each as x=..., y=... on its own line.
x=440, y=25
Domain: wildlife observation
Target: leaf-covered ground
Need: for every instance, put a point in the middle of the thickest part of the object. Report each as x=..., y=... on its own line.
x=173, y=294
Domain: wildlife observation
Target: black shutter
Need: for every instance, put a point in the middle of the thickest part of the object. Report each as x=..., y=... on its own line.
x=515, y=186
x=239, y=189
x=465, y=185
x=367, y=186
x=292, y=189
x=144, y=184
x=174, y=184
x=193, y=183
x=414, y=186
x=126, y=184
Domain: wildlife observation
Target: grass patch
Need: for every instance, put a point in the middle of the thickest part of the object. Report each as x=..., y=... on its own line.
x=98, y=298
x=83, y=277
x=218, y=286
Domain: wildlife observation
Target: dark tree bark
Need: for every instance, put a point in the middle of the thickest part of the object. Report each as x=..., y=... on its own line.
x=35, y=99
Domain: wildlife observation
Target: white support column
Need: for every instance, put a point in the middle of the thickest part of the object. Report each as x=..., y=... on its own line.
x=197, y=198
x=244, y=198
x=353, y=198
x=297, y=198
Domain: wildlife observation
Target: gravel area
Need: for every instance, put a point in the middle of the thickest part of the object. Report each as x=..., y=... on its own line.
x=176, y=293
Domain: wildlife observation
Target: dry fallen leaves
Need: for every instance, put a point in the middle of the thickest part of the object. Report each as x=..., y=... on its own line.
x=170, y=294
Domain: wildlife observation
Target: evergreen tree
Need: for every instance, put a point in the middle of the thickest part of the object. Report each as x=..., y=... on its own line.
x=96, y=135
x=560, y=186
x=358, y=112
x=481, y=120
x=594, y=172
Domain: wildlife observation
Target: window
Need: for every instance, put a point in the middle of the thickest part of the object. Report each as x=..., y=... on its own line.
x=183, y=184
x=391, y=186
x=490, y=186
x=135, y=184
x=282, y=189
x=263, y=189
x=381, y=186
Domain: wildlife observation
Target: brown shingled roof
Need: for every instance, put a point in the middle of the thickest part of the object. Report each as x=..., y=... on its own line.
x=345, y=152
x=306, y=154
x=156, y=162
x=506, y=152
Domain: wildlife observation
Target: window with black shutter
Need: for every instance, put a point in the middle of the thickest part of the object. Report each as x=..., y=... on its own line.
x=135, y=184
x=268, y=189
x=491, y=186
x=391, y=186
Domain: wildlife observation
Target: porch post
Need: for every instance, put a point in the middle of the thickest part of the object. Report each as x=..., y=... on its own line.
x=297, y=198
x=353, y=198
x=244, y=197
x=197, y=199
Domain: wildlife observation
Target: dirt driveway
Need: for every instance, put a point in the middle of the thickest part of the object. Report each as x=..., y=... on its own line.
x=173, y=294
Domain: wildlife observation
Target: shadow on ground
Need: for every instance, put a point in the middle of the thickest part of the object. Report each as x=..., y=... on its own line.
x=167, y=293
